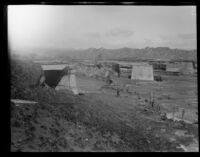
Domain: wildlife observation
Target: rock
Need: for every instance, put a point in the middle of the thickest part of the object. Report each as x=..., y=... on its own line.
x=179, y=124
x=158, y=78
x=196, y=122
x=172, y=139
x=163, y=116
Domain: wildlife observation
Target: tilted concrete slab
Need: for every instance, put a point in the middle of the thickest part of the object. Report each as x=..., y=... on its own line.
x=19, y=101
x=142, y=72
x=54, y=67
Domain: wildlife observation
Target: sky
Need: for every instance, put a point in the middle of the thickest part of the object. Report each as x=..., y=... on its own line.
x=93, y=26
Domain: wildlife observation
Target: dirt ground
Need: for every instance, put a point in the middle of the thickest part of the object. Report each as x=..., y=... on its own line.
x=101, y=121
x=171, y=95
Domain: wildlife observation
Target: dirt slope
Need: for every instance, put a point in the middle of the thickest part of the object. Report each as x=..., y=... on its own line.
x=63, y=122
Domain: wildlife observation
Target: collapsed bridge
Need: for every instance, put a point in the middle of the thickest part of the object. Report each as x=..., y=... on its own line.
x=60, y=77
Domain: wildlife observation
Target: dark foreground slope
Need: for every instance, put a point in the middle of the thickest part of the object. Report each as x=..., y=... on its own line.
x=64, y=122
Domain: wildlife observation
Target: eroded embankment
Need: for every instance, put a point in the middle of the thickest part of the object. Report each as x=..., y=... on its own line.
x=63, y=122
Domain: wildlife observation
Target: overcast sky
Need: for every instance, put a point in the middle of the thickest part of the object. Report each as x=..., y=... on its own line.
x=84, y=26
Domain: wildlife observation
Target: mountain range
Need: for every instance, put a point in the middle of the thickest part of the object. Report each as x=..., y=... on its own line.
x=126, y=54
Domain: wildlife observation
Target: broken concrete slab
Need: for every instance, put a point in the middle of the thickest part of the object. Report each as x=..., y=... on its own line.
x=19, y=101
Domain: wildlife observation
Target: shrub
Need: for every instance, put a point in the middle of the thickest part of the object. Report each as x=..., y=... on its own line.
x=24, y=75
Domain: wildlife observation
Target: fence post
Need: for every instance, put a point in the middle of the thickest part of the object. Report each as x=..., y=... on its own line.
x=151, y=99
x=173, y=112
x=183, y=113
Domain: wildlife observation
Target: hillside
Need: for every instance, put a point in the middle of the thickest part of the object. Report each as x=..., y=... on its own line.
x=24, y=75
x=129, y=54
x=63, y=122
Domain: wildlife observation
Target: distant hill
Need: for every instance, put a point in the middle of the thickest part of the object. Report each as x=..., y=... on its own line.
x=128, y=54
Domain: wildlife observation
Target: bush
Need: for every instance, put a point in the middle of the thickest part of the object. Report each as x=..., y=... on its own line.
x=24, y=75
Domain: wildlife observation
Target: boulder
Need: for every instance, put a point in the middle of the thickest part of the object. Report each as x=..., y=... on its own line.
x=163, y=116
